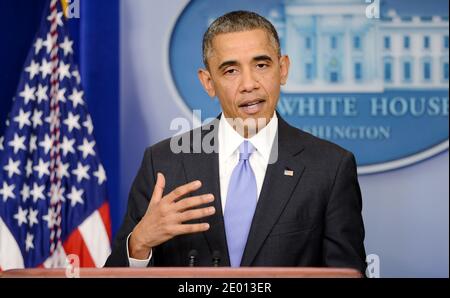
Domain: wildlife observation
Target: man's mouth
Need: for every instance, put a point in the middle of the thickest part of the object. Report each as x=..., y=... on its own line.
x=252, y=107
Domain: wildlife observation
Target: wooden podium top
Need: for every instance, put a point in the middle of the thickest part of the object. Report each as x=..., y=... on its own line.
x=187, y=272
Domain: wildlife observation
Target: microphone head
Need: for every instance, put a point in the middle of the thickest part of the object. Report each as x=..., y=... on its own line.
x=216, y=258
x=216, y=255
x=193, y=253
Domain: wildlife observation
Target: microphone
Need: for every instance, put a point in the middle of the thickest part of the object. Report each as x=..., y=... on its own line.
x=192, y=257
x=216, y=258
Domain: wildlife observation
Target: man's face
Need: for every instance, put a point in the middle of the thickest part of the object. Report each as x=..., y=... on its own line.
x=245, y=73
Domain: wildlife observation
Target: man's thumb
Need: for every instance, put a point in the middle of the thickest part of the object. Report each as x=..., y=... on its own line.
x=159, y=187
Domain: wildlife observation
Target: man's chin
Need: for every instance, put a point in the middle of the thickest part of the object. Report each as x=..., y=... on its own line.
x=249, y=125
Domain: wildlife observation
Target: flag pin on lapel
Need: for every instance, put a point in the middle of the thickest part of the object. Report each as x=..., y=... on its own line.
x=288, y=173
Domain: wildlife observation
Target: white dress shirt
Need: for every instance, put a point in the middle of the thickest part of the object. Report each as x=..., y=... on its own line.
x=229, y=142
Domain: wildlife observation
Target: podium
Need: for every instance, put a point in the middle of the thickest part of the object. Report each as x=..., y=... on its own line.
x=190, y=272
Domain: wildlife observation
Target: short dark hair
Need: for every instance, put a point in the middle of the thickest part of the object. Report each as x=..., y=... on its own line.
x=237, y=21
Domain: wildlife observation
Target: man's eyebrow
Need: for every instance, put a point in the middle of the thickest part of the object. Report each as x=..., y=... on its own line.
x=227, y=63
x=262, y=58
x=234, y=62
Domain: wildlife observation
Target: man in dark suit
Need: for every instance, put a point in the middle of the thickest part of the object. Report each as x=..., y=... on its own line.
x=259, y=192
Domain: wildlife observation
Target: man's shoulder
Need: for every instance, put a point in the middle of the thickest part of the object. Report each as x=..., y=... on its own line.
x=174, y=147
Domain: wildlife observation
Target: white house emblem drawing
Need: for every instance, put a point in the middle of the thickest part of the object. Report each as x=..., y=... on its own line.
x=376, y=85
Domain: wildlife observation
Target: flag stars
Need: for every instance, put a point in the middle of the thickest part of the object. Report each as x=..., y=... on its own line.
x=23, y=119
x=87, y=148
x=100, y=174
x=12, y=167
x=75, y=196
x=25, y=192
x=38, y=45
x=29, y=168
x=67, y=145
x=37, y=192
x=72, y=122
x=61, y=95
x=64, y=71
x=48, y=43
x=50, y=218
x=30, y=117
x=63, y=170
x=58, y=18
x=18, y=143
x=88, y=124
x=46, y=68
x=66, y=46
x=41, y=93
x=32, y=69
x=21, y=216
x=28, y=93
x=7, y=191
x=76, y=97
x=37, y=118
x=76, y=75
x=81, y=172
x=56, y=195
x=48, y=119
x=46, y=144
x=29, y=242
x=32, y=217
x=42, y=168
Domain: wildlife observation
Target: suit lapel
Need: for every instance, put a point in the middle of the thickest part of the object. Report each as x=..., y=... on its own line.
x=277, y=189
x=204, y=166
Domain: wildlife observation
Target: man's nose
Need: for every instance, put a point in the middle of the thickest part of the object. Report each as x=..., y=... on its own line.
x=249, y=81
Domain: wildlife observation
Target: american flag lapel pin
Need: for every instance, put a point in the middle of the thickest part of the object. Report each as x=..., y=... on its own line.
x=288, y=173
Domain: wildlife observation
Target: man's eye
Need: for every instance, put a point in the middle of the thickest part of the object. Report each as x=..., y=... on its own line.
x=230, y=71
x=261, y=65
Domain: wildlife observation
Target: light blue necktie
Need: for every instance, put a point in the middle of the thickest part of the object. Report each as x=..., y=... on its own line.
x=240, y=205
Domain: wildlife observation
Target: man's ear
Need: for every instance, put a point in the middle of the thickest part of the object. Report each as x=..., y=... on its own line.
x=205, y=78
x=284, y=68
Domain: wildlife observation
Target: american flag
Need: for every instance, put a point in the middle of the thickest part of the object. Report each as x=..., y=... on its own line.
x=53, y=199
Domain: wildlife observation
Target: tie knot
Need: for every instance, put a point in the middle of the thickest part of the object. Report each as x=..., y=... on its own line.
x=245, y=150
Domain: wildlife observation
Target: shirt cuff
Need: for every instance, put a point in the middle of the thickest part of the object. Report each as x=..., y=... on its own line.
x=136, y=263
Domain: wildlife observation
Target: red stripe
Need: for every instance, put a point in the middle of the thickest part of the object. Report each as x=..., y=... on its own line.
x=75, y=245
x=104, y=214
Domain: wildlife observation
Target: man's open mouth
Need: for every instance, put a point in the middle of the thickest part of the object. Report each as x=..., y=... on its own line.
x=252, y=107
x=251, y=103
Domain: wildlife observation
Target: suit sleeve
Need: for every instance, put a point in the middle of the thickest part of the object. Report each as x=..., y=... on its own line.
x=138, y=201
x=344, y=228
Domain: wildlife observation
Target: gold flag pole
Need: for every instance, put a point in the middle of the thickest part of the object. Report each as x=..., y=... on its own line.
x=64, y=4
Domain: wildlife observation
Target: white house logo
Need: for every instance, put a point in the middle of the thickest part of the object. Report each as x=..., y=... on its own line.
x=376, y=86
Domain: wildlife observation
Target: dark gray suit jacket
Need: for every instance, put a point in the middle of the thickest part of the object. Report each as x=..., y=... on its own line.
x=312, y=218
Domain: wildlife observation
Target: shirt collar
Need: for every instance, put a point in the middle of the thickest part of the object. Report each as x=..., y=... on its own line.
x=230, y=140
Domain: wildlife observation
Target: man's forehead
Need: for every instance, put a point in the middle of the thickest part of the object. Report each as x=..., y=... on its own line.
x=249, y=43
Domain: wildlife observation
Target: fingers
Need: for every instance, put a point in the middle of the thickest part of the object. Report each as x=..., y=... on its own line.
x=196, y=214
x=192, y=202
x=159, y=188
x=180, y=191
x=191, y=228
